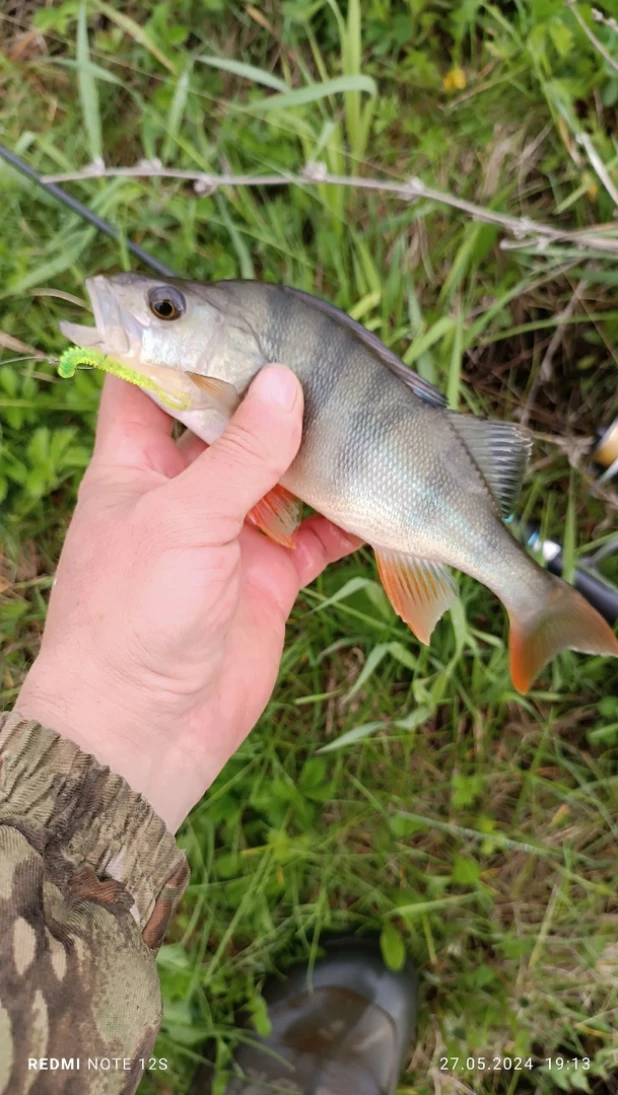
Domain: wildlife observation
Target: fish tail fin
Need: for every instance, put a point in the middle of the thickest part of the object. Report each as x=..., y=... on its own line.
x=561, y=620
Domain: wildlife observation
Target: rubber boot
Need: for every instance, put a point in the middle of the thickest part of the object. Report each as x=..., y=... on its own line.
x=344, y=1032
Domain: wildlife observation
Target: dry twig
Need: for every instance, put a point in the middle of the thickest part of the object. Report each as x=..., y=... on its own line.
x=524, y=229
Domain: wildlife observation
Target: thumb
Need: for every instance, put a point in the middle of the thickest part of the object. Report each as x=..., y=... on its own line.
x=213, y=496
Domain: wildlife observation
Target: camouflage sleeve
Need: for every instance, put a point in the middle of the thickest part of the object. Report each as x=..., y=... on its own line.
x=89, y=879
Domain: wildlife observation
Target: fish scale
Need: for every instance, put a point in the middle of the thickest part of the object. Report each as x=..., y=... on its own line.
x=381, y=455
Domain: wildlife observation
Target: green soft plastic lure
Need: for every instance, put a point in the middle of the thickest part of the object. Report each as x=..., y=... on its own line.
x=76, y=355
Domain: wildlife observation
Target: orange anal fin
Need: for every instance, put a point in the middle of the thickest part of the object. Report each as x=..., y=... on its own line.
x=278, y=515
x=420, y=591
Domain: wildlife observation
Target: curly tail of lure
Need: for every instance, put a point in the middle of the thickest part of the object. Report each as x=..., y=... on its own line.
x=77, y=356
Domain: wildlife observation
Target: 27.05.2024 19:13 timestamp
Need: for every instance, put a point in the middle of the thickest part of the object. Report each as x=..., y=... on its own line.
x=513, y=1064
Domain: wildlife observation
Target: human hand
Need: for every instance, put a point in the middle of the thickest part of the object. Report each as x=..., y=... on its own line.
x=167, y=617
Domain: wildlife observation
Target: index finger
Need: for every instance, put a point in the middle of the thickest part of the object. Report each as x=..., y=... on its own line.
x=318, y=543
x=129, y=425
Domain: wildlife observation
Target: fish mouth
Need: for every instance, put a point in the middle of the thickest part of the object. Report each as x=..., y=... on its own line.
x=80, y=334
x=117, y=335
x=109, y=333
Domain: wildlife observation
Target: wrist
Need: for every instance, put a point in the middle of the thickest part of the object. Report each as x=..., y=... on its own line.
x=100, y=724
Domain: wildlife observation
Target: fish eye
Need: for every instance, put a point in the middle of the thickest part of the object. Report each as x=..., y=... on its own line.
x=166, y=302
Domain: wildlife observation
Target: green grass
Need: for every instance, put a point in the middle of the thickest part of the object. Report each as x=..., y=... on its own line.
x=481, y=827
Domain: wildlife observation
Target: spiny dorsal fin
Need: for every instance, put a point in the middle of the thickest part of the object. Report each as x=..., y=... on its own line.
x=421, y=388
x=419, y=590
x=501, y=450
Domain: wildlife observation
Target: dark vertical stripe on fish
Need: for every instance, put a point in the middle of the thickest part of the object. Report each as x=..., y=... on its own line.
x=380, y=393
x=322, y=363
x=331, y=363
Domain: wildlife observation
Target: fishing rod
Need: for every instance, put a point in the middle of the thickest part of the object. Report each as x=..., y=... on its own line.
x=83, y=211
x=598, y=590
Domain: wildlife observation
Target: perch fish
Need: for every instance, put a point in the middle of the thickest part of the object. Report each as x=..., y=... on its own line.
x=382, y=456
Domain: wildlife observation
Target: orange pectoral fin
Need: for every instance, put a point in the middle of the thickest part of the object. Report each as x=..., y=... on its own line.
x=219, y=393
x=278, y=515
x=420, y=591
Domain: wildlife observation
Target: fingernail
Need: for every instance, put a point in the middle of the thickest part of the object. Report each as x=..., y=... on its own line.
x=276, y=384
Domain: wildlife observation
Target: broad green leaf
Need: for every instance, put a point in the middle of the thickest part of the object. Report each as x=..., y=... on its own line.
x=173, y=956
x=258, y=1008
x=536, y=42
x=392, y=947
x=466, y=871
x=466, y=789
x=313, y=776
x=562, y=37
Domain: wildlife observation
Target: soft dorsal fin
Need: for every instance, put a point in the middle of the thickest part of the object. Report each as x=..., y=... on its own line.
x=501, y=450
x=421, y=388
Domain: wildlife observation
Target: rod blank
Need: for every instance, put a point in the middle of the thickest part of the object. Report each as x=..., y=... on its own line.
x=83, y=211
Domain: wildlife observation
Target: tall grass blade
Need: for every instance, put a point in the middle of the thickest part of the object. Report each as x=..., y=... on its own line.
x=454, y=372
x=88, y=91
x=176, y=112
x=428, y=338
x=314, y=93
x=137, y=33
x=252, y=73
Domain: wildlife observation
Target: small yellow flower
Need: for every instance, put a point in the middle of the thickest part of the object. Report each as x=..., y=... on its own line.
x=455, y=80
x=592, y=186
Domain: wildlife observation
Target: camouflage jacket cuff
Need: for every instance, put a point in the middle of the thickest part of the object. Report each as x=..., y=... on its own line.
x=89, y=823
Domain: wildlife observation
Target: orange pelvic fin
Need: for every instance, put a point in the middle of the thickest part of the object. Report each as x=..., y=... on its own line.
x=278, y=515
x=563, y=621
x=420, y=591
